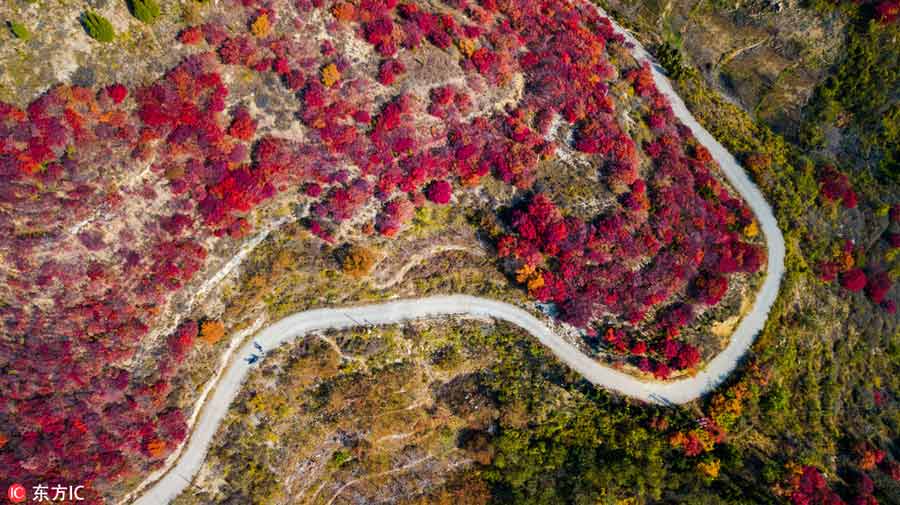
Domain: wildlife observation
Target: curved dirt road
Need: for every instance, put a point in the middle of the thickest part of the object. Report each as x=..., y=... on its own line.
x=680, y=391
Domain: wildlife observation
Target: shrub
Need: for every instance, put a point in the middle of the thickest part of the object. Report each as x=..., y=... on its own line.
x=710, y=289
x=356, y=261
x=97, y=26
x=145, y=10
x=242, y=126
x=894, y=240
x=670, y=58
x=260, y=26
x=440, y=192
x=181, y=340
x=877, y=286
x=888, y=11
x=854, y=280
x=330, y=75
x=191, y=35
x=810, y=487
x=117, y=92
x=835, y=186
x=19, y=30
x=212, y=331
x=389, y=71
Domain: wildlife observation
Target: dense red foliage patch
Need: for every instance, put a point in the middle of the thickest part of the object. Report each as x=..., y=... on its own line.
x=888, y=11
x=876, y=281
x=117, y=92
x=440, y=192
x=242, y=126
x=191, y=35
x=877, y=286
x=69, y=406
x=835, y=186
x=892, y=470
x=854, y=280
x=810, y=488
x=389, y=71
x=568, y=262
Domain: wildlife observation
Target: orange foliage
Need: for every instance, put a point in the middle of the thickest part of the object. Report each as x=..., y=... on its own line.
x=847, y=260
x=260, y=26
x=357, y=261
x=212, y=331
x=709, y=468
x=156, y=448
x=869, y=456
x=523, y=273
x=758, y=163
x=694, y=442
x=535, y=283
x=344, y=11
x=466, y=46
x=330, y=75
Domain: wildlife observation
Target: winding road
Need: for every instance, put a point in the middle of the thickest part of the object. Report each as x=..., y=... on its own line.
x=183, y=467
